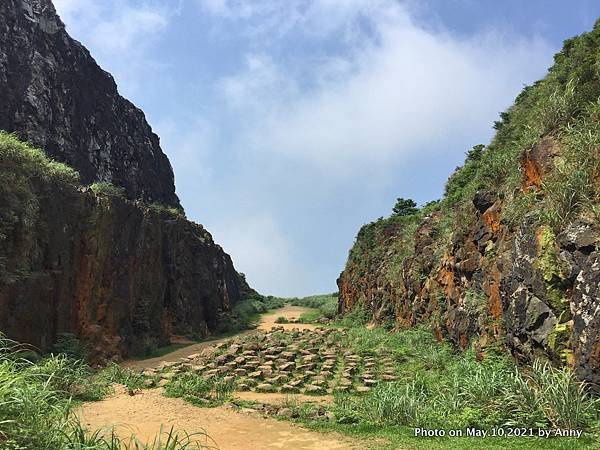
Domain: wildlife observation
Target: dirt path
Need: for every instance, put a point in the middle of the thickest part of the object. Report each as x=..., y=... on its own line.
x=176, y=355
x=290, y=313
x=144, y=413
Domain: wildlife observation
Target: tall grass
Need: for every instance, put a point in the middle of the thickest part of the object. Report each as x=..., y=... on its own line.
x=37, y=402
x=200, y=391
x=439, y=388
x=326, y=306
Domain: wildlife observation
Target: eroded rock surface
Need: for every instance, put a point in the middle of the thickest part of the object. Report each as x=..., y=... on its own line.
x=54, y=95
x=120, y=275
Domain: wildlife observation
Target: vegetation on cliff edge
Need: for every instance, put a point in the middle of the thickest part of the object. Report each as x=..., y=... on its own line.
x=559, y=114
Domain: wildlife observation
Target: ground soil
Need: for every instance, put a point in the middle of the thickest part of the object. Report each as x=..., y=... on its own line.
x=143, y=414
x=290, y=313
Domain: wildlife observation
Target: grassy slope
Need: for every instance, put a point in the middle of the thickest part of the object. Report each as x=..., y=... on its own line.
x=38, y=400
x=324, y=306
x=564, y=105
x=438, y=389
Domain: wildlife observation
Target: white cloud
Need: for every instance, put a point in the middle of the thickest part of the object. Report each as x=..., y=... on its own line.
x=118, y=32
x=263, y=250
x=407, y=91
x=284, y=158
x=190, y=152
x=126, y=30
x=112, y=26
x=313, y=125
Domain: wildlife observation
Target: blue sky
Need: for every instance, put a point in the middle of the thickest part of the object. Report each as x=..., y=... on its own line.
x=291, y=123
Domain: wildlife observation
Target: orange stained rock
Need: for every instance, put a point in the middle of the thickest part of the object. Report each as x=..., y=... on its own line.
x=532, y=173
x=494, y=300
x=446, y=276
x=492, y=219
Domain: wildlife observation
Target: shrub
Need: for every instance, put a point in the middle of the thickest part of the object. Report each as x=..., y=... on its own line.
x=19, y=159
x=199, y=390
x=106, y=188
x=69, y=344
x=405, y=207
x=326, y=306
x=245, y=313
x=159, y=208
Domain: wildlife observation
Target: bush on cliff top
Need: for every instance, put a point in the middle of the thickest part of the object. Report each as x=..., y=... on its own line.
x=18, y=158
x=20, y=167
x=105, y=188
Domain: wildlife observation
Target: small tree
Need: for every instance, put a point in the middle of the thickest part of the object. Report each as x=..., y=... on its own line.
x=475, y=153
x=405, y=207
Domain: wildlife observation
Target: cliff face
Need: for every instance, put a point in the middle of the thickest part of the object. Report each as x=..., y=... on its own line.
x=54, y=95
x=123, y=276
x=510, y=255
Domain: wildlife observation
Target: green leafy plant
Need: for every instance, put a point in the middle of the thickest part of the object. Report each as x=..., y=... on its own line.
x=405, y=207
x=105, y=188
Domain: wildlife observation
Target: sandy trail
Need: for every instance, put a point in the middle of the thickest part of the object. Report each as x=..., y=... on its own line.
x=290, y=312
x=144, y=413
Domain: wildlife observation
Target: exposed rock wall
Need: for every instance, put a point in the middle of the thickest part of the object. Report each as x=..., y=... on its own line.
x=511, y=254
x=54, y=95
x=529, y=289
x=122, y=276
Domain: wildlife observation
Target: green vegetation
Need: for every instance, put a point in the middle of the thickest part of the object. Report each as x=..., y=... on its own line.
x=17, y=158
x=557, y=119
x=207, y=392
x=405, y=207
x=325, y=306
x=104, y=188
x=439, y=389
x=37, y=402
x=245, y=314
x=21, y=169
x=69, y=345
x=563, y=107
x=159, y=208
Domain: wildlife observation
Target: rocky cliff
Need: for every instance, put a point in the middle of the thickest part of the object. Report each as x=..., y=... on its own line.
x=54, y=95
x=124, y=271
x=510, y=255
x=123, y=276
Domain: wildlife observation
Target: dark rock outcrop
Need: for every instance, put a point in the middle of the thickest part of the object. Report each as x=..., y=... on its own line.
x=123, y=274
x=123, y=277
x=510, y=255
x=54, y=95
